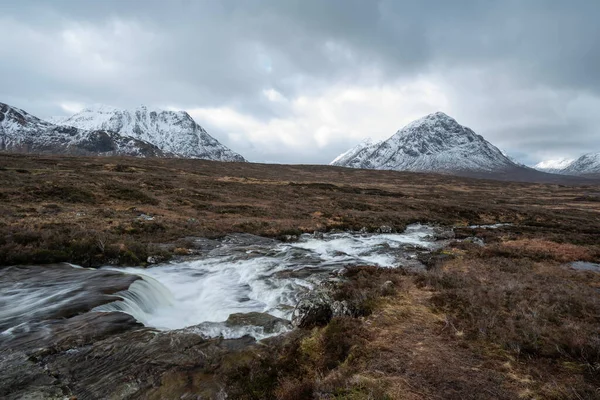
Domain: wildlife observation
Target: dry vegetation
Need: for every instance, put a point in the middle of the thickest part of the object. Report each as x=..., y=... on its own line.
x=505, y=321
x=93, y=211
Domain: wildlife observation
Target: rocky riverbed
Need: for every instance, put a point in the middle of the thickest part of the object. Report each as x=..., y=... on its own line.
x=70, y=331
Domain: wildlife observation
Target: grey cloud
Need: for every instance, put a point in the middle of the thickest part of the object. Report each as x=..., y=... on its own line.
x=494, y=58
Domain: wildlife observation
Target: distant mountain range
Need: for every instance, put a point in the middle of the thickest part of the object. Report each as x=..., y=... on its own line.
x=586, y=165
x=554, y=166
x=438, y=143
x=174, y=132
x=106, y=130
x=22, y=132
x=434, y=143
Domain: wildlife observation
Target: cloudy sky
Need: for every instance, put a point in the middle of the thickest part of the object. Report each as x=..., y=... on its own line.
x=300, y=81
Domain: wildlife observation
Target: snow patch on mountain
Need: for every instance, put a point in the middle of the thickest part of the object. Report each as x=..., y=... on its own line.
x=435, y=143
x=174, y=132
x=554, y=166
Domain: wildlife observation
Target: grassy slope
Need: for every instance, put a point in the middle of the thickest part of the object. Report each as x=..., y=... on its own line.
x=504, y=321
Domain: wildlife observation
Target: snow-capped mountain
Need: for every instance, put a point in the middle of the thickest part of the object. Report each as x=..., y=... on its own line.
x=587, y=164
x=174, y=132
x=434, y=143
x=353, y=152
x=554, y=166
x=23, y=132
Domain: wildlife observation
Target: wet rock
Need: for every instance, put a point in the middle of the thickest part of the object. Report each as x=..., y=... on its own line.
x=268, y=322
x=109, y=355
x=23, y=379
x=247, y=240
x=341, y=309
x=314, y=309
x=201, y=244
x=385, y=229
x=317, y=308
x=144, y=364
x=443, y=234
x=24, y=374
x=53, y=336
x=318, y=235
x=76, y=290
x=155, y=259
x=475, y=240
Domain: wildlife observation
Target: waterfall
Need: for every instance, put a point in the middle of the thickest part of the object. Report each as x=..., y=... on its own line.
x=144, y=297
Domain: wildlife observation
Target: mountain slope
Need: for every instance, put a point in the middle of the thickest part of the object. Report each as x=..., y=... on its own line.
x=434, y=143
x=354, y=152
x=554, y=166
x=23, y=132
x=587, y=164
x=174, y=132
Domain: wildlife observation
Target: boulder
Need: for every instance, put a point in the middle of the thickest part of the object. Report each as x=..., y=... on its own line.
x=314, y=309
x=385, y=229
x=475, y=240
x=440, y=233
x=268, y=322
x=317, y=308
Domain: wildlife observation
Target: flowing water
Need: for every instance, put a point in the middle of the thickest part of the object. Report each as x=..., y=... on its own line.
x=240, y=274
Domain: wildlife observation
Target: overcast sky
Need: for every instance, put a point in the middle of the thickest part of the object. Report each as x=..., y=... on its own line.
x=302, y=81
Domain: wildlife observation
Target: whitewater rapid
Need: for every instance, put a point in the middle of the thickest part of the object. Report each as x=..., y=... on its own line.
x=238, y=274
x=265, y=276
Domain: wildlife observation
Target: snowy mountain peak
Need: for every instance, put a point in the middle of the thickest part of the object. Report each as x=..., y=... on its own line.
x=432, y=123
x=174, y=132
x=23, y=132
x=13, y=119
x=436, y=142
x=554, y=166
x=100, y=108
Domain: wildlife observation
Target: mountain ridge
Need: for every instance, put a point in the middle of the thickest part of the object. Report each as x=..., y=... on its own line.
x=587, y=164
x=26, y=133
x=174, y=132
x=434, y=143
x=554, y=166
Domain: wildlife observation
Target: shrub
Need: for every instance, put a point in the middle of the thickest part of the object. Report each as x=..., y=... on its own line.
x=530, y=313
x=127, y=193
x=339, y=338
x=365, y=285
x=68, y=194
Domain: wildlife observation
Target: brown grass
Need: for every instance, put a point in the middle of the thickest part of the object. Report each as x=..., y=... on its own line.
x=540, y=249
x=505, y=321
x=63, y=198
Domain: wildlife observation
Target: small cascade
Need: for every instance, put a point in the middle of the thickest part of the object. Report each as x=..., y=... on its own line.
x=241, y=274
x=248, y=274
x=143, y=298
